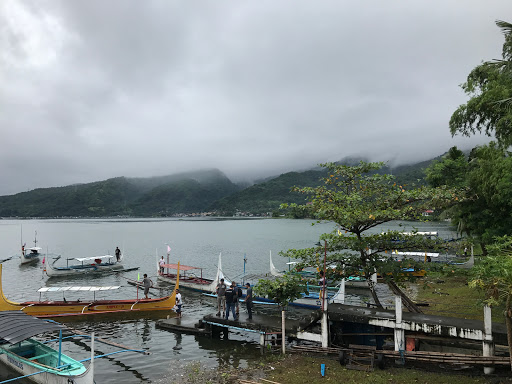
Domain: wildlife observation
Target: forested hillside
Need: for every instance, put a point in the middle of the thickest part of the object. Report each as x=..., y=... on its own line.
x=184, y=193
x=146, y=197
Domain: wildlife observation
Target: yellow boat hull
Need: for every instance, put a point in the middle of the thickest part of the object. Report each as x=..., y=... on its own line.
x=82, y=308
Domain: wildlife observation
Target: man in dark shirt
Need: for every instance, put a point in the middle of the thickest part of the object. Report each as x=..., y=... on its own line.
x=248, y=300
x=230, y=300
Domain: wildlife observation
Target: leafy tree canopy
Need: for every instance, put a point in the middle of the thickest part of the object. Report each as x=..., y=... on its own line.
x=357, y=199
x=493, y=276
x=489, y=109
x=282, y=290
x=486, y=177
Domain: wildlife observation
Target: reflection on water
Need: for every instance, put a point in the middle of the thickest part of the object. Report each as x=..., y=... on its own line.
x=193, y=242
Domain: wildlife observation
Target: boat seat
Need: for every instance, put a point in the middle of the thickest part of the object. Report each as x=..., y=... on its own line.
x=40, y=356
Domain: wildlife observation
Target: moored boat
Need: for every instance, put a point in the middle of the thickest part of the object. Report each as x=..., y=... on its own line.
x=30, y=254
x=189, y=279
x=33, y=359
x=51, y=308
x=94, y=264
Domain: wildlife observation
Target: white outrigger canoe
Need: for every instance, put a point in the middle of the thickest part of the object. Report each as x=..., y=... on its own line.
x=30, y=254
x=94, y=264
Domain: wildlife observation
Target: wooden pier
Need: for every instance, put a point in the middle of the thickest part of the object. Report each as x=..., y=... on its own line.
x=268, y=327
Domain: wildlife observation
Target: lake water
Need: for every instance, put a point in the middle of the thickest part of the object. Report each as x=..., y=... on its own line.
x=195, y=242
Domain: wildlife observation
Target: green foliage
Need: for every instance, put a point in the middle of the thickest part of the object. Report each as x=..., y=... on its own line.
x=450, y=170
x=493, y=275
x=161, y=196
x=486, y=209
x=490, y=87
x=357, y=199
x=282, y=290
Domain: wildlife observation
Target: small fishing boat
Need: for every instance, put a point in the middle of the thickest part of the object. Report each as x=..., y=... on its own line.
x=94, y=264
x=189, y=279
x=30, y=254
x=78, y=307
x=33, y=359
x=352, y=281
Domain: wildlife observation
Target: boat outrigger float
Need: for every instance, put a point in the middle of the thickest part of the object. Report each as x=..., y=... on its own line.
x=90, y=307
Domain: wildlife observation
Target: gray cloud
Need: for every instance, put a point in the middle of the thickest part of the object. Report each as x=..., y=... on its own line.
x=91, y=90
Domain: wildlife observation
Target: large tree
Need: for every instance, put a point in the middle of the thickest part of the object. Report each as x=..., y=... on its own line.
x=485, y=178
x=357, y=199
x=489, y=85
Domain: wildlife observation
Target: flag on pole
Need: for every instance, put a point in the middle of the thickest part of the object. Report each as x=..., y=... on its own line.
x=138, y=276
x=168, y=249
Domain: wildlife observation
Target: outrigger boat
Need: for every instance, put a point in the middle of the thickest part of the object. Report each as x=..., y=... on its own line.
x=94, y=264
x=352, y=281
x=189, y=279
x=31, y=254
x=50, y=308
x=35, y=360
x=38, y=361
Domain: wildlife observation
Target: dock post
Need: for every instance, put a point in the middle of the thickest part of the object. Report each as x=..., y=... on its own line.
x=325, y=323
x=487, y=342
x=283, y=330
x=399, y=332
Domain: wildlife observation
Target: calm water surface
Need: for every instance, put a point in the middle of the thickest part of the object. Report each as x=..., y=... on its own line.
x=195, y=242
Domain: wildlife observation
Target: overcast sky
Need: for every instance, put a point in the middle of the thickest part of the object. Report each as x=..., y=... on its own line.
x=96, y=89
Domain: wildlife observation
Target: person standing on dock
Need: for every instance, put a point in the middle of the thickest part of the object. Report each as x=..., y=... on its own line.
x=147, y=283
x=118, y=254
x=248, y=300
x=230, y=300
x=238, y=296
x=161, y=263
x=221, y=297
x=178, y=303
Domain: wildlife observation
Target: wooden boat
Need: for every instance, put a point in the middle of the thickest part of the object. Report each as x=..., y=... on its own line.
x=94, y=264
x=50, y=308
x=30, y=254
x=35, y=360
x=352, y=281
x=189, y=278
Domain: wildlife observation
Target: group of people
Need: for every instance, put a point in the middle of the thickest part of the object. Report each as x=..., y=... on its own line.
x=228, y=299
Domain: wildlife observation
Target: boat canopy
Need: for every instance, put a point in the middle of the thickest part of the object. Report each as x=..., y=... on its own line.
x=431, y=254
x=420, y=233
x=34, y=249
x=16, y=326
x=92, y=258
x=182, y=267
x=61, y=289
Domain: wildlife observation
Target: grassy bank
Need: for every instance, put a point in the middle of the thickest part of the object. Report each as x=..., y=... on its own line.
x=303, y=369
x=448, y=294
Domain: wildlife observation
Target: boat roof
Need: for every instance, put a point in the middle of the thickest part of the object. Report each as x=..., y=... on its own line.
x=16, y=326
x=34, y=249
x=93, y=258
x=420, y=233
x=182, y=267
x=61, y=289
x=431, y=254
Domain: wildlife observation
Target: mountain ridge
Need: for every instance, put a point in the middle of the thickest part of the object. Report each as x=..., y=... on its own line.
x=204, y=190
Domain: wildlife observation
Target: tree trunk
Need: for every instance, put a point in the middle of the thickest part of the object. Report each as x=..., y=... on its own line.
x=484, y=249
x=408, y=303
x=371, y=285
x=508, y=322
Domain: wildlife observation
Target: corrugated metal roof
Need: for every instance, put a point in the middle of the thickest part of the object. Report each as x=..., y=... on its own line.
x=16, y=326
